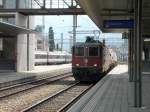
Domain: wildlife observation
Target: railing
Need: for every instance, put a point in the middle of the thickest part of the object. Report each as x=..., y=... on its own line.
x=37, y=4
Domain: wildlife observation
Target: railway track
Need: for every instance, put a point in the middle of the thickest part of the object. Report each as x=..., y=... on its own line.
x=15, y=89
x=27, y=80
x=21, y=100
x=60, y=101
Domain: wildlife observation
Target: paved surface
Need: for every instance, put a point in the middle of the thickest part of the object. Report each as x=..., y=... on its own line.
x=39, y=70
x=114, y=93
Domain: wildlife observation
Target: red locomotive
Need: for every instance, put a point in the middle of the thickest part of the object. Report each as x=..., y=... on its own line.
x=91, y=60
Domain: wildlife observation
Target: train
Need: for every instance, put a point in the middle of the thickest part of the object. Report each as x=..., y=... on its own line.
x=91, y=60
x=55, y=57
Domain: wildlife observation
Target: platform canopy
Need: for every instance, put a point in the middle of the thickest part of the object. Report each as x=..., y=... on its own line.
x=10, y=30
x=101, y=10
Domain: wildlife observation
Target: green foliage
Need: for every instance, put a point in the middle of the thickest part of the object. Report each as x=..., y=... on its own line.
x=51, y=39
x=39, y=28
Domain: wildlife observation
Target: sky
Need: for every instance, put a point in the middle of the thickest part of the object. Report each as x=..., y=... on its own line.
x=64, y=24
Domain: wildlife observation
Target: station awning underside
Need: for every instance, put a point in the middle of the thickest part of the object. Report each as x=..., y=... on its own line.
x=100, y=10
x=10, y=30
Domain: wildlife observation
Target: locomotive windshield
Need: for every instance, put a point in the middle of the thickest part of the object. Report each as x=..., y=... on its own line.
x=79, y=51
x=93, y=51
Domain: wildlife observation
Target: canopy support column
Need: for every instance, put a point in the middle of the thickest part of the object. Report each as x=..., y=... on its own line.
x=137, y=55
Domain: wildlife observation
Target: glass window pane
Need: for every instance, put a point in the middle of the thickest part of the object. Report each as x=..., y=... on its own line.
x=25, y=4
x=10, y=4
x=79, y=51
x=93, y=51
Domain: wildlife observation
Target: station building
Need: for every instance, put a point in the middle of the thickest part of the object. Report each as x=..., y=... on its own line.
x=16, y=51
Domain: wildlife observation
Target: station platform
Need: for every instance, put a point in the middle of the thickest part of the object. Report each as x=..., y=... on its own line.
x=114, y=93
x=7, y=78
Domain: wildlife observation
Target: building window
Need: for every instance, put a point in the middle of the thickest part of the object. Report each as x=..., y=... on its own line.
x=25, y=4
x=10, y=20
x=39, y=45
x=10, y=4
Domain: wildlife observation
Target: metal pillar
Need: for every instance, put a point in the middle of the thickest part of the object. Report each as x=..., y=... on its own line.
x=28, y=45
x=70, y=43
x=17, y=4
x=129, y=56
x=74, y=28
x=51, y=3
x=58, y=3
x=137, y=56
x=72, y=3
x=132, y=56
x=131, y=53
x=43, y=24
x=44, y=4
x=61, y=41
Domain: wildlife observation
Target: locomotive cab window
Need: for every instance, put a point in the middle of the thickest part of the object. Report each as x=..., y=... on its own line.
x=79, y=51
x=93, y=51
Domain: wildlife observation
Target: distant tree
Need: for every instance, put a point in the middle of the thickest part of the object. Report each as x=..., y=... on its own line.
x=57, y=47
x=51, y=39
x=39, y=28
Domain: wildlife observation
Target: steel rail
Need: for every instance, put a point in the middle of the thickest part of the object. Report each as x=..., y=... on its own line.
x=30, y=82
x=48, y=98
x=38, y=85
x=74, y=100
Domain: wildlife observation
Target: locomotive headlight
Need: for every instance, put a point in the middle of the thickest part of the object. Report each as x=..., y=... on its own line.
x=95, y=65
x=77, y=64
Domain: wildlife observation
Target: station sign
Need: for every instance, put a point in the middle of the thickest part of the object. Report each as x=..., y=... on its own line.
x=119, y=24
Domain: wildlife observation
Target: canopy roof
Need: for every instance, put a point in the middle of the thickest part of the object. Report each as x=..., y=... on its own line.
x=10, y=30
x=100, y=10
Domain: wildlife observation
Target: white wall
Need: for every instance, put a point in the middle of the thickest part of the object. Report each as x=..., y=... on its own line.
x=21, y=53
x=21, y=20
x=31, y=51
x=21, y=44
x=31, y=44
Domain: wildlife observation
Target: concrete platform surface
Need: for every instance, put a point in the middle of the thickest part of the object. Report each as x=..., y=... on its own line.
x=45, y=68
x=114, y=93
x=39, y=71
